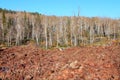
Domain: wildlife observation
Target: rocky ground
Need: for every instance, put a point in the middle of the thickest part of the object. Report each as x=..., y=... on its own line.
x=78, y=63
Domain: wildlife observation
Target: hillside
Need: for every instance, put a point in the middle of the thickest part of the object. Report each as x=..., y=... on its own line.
x=78, y=63
x=34, y=46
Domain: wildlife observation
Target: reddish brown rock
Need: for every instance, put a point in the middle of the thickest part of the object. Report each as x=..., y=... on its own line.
x=78, y=63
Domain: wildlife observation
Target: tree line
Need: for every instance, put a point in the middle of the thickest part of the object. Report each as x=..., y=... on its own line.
x=18, y=28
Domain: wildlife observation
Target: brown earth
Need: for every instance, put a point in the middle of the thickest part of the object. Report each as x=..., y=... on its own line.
x=78, y=63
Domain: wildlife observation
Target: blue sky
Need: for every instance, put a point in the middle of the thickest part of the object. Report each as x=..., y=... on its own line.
x=88, y=8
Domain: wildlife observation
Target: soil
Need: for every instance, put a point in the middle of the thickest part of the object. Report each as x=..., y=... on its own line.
x=78, y=63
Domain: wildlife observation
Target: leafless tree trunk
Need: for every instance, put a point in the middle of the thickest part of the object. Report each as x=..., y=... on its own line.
x=45, y=31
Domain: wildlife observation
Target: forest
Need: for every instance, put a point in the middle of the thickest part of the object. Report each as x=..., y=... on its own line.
x=21, y=27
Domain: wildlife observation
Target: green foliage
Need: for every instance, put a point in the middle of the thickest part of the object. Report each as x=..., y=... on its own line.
x=35, y=13
x=3, y=18
x=7, y=11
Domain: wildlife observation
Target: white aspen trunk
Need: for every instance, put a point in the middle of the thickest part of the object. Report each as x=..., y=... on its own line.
x=114, y=31
x=18, y=35
x=37, y=39
x=2, y=27
x=65, y=35
x=91, y=41
x=72, y=31
x=46, y=41
x=33, y=31
x=57, y=39
x=75, y=40
x=81, y=32
x=109, y=31
x=50, y=39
